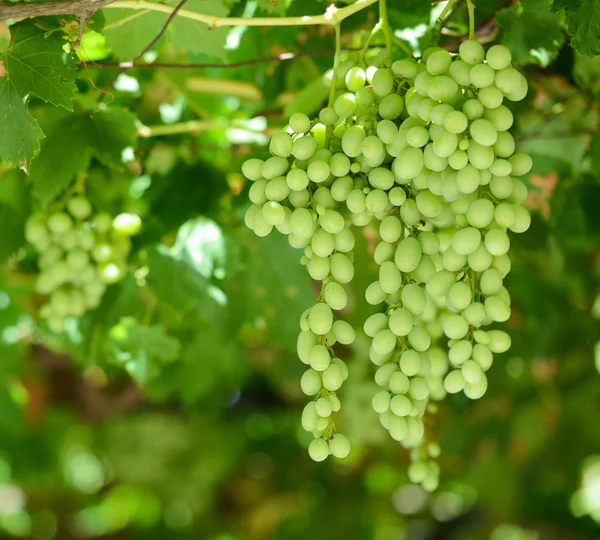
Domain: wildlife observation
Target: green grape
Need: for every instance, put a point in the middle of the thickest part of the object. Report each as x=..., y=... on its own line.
x=397, y=196
x=466, y=241
x=505, y=145
x=345, y=106
x=398, y=428
x=318, y=171
x=519, y=192
x=335, y=402
x=508, y=80
x=320, y=318
x=429, y=205
x=339, y=446
x=332, y=221
x=471, y=52
x=390, y=229
x=302, y=223
x=414, y=298
x=408, y=254
x=505, y=215
x=483, y=132
x=381, y=178
x=430, y=243
x=497, y=242
x=455, y=122
x=398, y=383
x=410, y=363
x=499, y=341
x=482, y=75
x=406, y=68
x=480, y=213
x=77, y=259
x=342, y=268
x=455, y=326
x=319, y=132
x=460, y=352
x=374, y=294
x=299, y=122
x=257, y=192
x=417, y=136
x=275, y=166
x=401, y=322
x=352, y=141
x=309, y=417
x=445, y=144
x=409, y=213
x=426, y=108
x=322, y=243
x=387, y=131
x=497, y=309
x=400, y=405
x=390, y=278
x=490, y=97
x=501, y=167
x=454, y=382
x=318, y=358
x=344, y=240
x=522, y=220
x=79, y=207
x=318, y=450
x=302, y=148
x=439, y=62
x=306, y=341
x=59, y=223
x=339, y=165
x=384, y=251
x=471, y=372
x=344, y=333
x=458, y=160
x=273, y=213
x=310, y=382
x=442, y=88
x=355, y=79
x=481, y=157
x=335, y=296
x=459, y=71
x=333, y=377
x=281, y=144
x=110, y=273
x=421, y=83
x=521, y=164
x=356, y=201
x=318, y=267
x=328, y=116
x=381, y=401
x=459, y=296
x=521, y=92
x=500, y=117
x=341, y=188
x=297, y=179
x=419, y=389
x=419, y=339
x=382, y=82
x=376, y=201
x=384, y=342
x=481, y=259
x=391, y=107
x=432, y=161
x=365, y=97
x=501, y=186
x=498, y=57
x=440, y=283
x=375, y=323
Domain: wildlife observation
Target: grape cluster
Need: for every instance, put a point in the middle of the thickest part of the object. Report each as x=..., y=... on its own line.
x=422, y=147
x=79, y=254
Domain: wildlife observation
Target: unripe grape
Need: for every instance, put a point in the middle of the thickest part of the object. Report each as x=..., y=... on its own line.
x=318, y=450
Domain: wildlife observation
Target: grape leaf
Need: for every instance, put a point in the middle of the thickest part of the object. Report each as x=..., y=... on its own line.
x=72, y=141
x=595, y=154
x=274, y=7
x=196, y=37
x=37, y=64
x=142, y=349
x=20, y=134
x=530, y=32
x=308, y=100
x=584, y=23
x=14, y=208
x=128, y=31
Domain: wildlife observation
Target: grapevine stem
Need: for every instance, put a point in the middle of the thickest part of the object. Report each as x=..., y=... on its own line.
x=403, y=46
x=336, y=62
x=330, y=17
x=189, y=127
x=471, y=10
x=385, y=24
x=373, y=33
x=446, y=10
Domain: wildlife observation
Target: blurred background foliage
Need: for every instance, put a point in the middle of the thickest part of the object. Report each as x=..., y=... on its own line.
x=172, y=411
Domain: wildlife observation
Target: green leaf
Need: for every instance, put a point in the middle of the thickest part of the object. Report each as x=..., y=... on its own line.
x=142, y=349
x=274, y=7
x=14, y=209
x=128, y=31
x=20, y=134
x=37, y=64
x=584, y=23
x=103, y=135
x=595, y=154
x=196, y=37
x=530, y=31
x=308, y=100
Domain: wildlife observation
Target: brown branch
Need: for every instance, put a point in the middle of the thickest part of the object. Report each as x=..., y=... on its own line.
x=82, y=9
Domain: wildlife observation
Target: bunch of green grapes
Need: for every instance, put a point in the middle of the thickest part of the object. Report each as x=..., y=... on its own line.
x=79, y=254
x=422, y=148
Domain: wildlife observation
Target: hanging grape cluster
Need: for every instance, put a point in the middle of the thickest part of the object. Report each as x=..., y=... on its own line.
x=423, y=148
x=79, y=254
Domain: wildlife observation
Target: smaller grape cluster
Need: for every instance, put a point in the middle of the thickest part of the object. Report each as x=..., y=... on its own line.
x=79, y=255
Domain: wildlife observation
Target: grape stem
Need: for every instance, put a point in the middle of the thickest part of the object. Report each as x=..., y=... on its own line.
x=471, y=10
x=373, y=33
x=446, y=10
x=330, y=17
x=336, y=62
x=403, y=46
x=385, y=24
